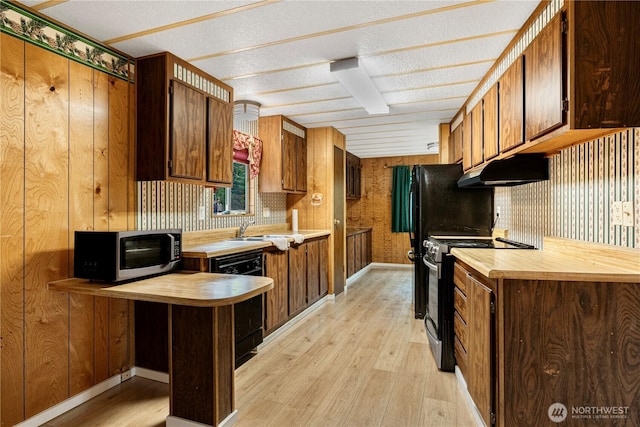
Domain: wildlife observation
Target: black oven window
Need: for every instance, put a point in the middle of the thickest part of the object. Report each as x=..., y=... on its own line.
x=144, y=251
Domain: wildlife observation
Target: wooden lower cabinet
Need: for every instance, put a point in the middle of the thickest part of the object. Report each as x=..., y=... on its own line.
x=532, y=343
x=474, y=341
x=358, y=250
x=297, y=278
x=276, y=303
x=301, y=278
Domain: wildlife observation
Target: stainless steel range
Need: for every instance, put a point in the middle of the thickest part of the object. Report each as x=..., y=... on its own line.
x=439, y=317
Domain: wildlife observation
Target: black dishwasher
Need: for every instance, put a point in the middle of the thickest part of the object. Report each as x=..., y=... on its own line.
x=247, y=314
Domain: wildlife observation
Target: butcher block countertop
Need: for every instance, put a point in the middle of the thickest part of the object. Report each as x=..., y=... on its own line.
x=190, y=289
x=561, y=259
x=225, y=247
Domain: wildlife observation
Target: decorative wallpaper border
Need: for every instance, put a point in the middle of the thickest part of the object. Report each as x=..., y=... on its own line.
x=23, y=24
x=200, y=82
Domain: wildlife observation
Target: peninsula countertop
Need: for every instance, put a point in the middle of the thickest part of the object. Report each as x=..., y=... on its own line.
x=185, y=288
x=560, y=260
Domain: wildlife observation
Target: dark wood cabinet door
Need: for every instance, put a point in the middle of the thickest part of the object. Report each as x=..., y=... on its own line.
x=323, y=261
x=187, y=145
x=490, y=126
x=219, y=142
x=477, y=144
x=351, y=255
x=301, y=164
x=276, y=299
x=455, y=145
x=480, y=356
x=297, y=278
x=466, y=142
x=313, y=272
x=511, y=102
x=544, y=84
x=357, y=250
x=289, y=157
x=357, y=190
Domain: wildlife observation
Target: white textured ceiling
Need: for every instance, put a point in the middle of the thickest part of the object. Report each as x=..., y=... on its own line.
x=424, y=56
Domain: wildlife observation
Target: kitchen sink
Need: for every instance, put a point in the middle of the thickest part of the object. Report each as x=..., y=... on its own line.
x=247, y=239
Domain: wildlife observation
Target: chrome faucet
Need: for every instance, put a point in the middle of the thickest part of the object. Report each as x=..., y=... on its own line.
x=244, y=226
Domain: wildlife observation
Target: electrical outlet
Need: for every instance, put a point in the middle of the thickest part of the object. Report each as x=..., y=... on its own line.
x=616, y=213
x=201, y=212
x=498, y=212
x=627, y=214
x=266, y=212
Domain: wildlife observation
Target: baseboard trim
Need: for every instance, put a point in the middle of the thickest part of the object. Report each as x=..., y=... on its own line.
x=172, y=421
x=161, y=377
x=67, y=405
x=391, y=265
x=292, y=322
x=462, y=383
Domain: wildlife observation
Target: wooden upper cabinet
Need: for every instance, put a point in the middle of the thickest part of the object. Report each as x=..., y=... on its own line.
x=477, y=143
x=591, y=61
x=289, y=157
x=184, y=123
x=187, y=124
x=545, y=87
x=301, y=164
x=466, y=142
x=219, y=142
x=455, y=145
x=490, y=126
x=284, y=156
x=511, y=102
x=353, y=176
x=605, y=51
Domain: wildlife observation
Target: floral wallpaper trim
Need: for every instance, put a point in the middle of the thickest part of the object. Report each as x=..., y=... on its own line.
x=22, y=24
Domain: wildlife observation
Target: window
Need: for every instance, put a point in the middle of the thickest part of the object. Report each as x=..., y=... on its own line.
x=234, y=200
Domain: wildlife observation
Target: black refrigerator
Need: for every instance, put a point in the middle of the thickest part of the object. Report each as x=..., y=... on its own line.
x=440, y=207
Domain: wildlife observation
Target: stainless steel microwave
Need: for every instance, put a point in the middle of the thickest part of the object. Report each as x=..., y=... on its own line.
x=118, y=256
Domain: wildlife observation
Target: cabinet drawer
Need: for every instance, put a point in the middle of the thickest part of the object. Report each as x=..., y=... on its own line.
x=460, y=303
x=461, y=357
x=460, y=329
x=460, y=277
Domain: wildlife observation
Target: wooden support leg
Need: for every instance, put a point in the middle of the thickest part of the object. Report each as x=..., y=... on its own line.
x=201, y=368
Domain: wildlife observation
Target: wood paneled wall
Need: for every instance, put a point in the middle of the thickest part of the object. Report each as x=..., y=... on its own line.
x=65, y=164
x=373, y=209
x=320, y=143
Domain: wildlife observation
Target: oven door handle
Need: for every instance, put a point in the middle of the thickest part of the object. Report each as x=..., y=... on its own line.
x=431, y=266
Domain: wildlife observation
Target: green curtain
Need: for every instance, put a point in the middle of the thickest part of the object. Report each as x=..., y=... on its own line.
x=400, y=195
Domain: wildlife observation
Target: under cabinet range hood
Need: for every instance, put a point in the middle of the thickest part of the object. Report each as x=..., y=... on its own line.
x=517, y=170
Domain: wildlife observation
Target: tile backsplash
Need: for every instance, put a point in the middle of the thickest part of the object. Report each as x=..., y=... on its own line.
x=576, y=201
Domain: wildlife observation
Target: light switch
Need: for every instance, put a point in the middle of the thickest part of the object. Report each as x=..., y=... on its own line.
x=627, y=214
x=616, y=213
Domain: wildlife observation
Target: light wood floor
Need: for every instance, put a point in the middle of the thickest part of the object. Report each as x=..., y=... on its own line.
x=361, y=360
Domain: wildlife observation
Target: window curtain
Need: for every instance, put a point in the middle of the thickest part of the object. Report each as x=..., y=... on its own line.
x=250, y=144
x=400, y=199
